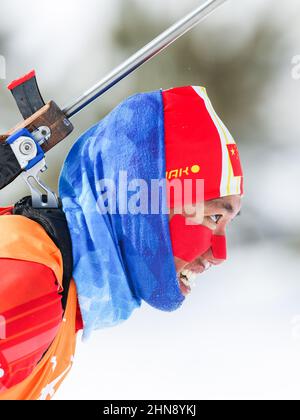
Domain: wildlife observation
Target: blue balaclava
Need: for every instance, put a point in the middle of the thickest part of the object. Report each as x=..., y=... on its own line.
x=120, y=259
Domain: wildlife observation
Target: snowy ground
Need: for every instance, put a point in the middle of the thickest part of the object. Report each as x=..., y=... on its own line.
x=237, y=337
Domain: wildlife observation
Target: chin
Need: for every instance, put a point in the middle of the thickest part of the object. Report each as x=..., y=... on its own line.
x=187, y=277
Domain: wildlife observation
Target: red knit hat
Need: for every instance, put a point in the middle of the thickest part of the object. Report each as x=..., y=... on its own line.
x=198, y=145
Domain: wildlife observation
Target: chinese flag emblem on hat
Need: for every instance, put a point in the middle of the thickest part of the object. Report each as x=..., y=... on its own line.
x=235, y=159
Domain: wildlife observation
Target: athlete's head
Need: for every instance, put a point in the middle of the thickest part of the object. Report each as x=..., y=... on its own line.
x=199, y=147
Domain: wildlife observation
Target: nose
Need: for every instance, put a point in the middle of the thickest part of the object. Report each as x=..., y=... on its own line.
x=221, y=228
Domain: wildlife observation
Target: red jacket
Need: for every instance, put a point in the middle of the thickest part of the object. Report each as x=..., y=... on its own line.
x=31, y=312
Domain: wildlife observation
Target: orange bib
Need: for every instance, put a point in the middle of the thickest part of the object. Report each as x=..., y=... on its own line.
x=25, y=240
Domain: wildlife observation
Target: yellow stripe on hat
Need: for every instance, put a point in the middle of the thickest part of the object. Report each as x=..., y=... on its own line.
x=226, y=163
x=233, y=184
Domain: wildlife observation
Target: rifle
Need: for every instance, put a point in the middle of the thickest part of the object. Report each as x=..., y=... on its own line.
x=23, y=148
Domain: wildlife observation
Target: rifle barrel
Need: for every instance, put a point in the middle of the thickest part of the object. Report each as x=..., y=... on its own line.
x=144, y=55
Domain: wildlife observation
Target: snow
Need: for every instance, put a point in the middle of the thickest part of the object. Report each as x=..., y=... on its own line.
x=237, y=337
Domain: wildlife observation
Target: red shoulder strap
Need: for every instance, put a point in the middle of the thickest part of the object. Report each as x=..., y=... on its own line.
x=6, y=211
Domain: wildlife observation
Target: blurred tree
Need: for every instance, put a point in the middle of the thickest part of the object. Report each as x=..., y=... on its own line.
x=237, y=75
x=239, y=71
x=3, y=93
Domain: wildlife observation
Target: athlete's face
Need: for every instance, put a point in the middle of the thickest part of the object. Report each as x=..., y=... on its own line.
x=217, y=216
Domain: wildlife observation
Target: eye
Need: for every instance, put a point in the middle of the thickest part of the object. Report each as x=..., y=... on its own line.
x=216, y=218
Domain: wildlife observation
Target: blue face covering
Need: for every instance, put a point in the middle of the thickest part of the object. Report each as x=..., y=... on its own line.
x=120, y=260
